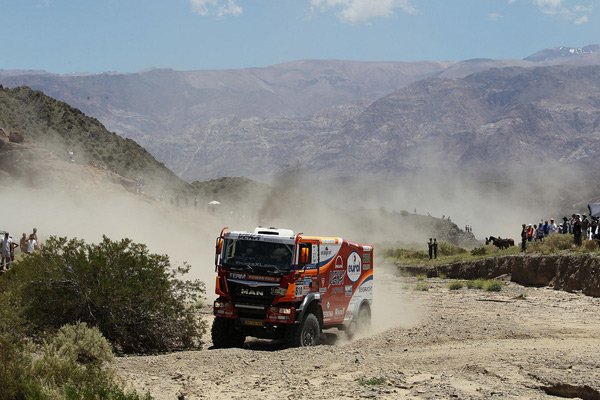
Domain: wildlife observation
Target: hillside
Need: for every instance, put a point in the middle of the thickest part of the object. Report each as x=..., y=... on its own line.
x=189, y=119
x=501, y=118
x=37, y=131
x=49, y=129
x=508, y=118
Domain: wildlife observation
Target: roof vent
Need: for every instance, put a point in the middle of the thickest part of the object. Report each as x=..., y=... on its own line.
x=273, y=231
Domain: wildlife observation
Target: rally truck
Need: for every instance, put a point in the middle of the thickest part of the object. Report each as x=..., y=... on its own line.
x=274, y=284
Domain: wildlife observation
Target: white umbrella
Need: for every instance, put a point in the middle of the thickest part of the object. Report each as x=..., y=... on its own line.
x=213, y=203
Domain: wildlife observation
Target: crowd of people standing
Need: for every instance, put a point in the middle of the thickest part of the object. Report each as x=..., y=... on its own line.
x=579, y=225
x=27, y=245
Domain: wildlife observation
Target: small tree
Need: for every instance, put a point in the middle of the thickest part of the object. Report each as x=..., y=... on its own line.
x=133, y=297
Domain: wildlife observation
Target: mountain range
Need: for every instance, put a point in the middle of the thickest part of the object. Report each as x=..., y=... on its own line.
x=345, y=117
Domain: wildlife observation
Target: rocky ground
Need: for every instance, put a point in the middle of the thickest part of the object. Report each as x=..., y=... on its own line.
x=521, y=342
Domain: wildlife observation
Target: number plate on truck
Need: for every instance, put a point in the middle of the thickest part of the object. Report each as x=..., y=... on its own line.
x=252, y=322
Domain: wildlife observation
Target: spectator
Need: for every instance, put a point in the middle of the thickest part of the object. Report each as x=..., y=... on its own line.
x=23, y=243
x=540, y=233
x=7, y=249
x=594, y=228
x=32, y=244
x=430, y=245
x=552, y=228
x=585, y=226
x=524, y=237
x=529, y=233
x=566, y=227
x=576, y=230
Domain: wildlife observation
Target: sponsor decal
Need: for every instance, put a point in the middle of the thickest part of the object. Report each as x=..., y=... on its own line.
x=353, y=266
x=235, y=275
x=336, y=277
x=348, y=290
x=339, y=311
x=366, y=257
x=248, y=236
x=252, y=292
x=339, y=262
x=299, y=289
x=264, y=278
x=322, y=281
x=306, y=285
x=365, y=289
x=326, y=252
x=366, y=267
x=327, y=305
x=337, y=289
x=327, y=314
x=322, y=289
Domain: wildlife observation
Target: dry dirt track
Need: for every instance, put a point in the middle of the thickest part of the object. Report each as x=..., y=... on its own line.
x=465, y=344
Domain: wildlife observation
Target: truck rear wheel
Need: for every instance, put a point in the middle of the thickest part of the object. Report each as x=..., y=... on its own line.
x=307, y=333
x=225, y=335
x=361, y=324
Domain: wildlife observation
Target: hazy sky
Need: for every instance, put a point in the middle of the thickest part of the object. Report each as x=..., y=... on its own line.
x=65, y=36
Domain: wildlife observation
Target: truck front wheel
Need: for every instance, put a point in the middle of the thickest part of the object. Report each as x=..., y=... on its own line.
x=225, y=335
x=307, y=333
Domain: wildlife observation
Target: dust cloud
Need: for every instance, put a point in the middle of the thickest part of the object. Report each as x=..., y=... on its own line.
x=184, y=234
x=355, y=209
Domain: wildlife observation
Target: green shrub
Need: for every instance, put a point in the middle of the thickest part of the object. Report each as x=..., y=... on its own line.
x=70, y=366
x=364, y=381
x=133, y=297
x=551, y=244
x=447, y=249
x=80, y=343
x=421, y=277
x=443, y=276
x=475, y=284
x=421, y=287
x=590, y=245
x=479, y=251
x=492, y=286
x=17, y=380
x=455, y=285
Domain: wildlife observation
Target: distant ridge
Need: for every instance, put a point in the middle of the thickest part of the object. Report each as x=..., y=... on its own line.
x=559, y=52
x=195, y=121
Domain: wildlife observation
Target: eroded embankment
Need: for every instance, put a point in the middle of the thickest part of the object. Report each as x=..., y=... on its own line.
x=579, y=272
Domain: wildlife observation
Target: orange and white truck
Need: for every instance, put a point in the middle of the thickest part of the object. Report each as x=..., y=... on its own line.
x=274, y=284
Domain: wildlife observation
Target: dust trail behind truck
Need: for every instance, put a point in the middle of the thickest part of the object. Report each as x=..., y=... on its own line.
x=274, y=284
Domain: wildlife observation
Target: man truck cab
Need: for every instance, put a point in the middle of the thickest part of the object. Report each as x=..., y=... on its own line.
x=277, y=285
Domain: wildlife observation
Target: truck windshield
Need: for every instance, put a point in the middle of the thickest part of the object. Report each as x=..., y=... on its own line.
x=258, y=256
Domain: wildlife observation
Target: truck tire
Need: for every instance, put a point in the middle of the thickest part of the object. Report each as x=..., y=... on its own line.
x=225, y=335
x=308, y=333
x=361, y=324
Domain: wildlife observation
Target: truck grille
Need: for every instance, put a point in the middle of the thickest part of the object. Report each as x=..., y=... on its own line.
x=260, y=295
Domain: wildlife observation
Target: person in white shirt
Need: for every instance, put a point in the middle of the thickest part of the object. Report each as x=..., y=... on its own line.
x=32, y=244
x=552, y=227
x=7, y=249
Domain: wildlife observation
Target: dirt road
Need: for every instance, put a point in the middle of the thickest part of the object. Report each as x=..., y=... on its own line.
x=519, y=343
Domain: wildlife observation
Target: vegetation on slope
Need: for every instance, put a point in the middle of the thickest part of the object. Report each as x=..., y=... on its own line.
x=448, y=253
x=70, y=304
x=59, y=127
